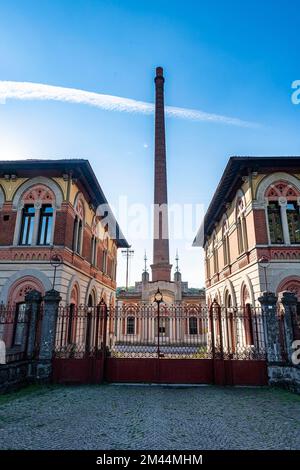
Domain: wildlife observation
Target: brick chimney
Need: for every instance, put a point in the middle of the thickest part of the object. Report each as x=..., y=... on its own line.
x=161, y=267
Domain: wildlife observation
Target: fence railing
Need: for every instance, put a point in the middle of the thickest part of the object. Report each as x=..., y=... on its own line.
x=172, y=331
x=80, y=331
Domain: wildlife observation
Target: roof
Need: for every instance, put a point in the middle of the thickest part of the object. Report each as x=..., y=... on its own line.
x=231, y=180
x=79, y=168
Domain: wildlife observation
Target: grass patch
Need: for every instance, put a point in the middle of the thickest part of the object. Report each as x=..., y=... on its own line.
x=26, y=392
x=286, y=395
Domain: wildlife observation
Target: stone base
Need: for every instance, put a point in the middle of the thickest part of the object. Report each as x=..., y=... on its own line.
x=286, y=376
x=44, y=371
x=16, y=375
x=161, y=272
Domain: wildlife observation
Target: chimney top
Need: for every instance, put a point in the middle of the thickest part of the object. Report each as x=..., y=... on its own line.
x=159, y=72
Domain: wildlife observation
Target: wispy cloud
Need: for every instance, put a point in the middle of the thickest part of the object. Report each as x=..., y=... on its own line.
x=39, y=91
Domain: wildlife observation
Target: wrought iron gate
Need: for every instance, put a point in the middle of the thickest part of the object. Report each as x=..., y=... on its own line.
x=171, y=344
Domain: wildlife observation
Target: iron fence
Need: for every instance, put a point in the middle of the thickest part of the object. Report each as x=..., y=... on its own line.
x=296, y=321
x=295, y=324
x=186, y=331
x=170, y=331
x=80, y=331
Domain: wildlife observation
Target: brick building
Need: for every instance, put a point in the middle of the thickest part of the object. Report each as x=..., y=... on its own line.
x=254, y=214
x=46, y=207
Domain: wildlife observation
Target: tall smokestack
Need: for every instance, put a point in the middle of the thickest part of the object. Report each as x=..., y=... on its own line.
x=161, y=268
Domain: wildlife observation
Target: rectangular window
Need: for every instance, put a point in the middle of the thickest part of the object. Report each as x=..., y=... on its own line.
x=79, y=238
x=94, y=251
x=293, y=217
x=130, y=326
x=27, y=225
x=240, y=236
x=193, y=327
x=275, y=224
x=104, y=262
x=45, y=225
x=75, y=233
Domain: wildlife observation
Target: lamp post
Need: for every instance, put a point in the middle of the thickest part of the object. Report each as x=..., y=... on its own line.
x=158, y=298
x=264, y=263
x=55, y=261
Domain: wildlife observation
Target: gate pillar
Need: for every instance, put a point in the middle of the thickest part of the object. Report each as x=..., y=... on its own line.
x=268, y=303
x=48, y=332
x=33, y=301
x=289, y=302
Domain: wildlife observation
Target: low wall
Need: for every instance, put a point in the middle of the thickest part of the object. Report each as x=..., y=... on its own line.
x=15, y=375
x=285, y=375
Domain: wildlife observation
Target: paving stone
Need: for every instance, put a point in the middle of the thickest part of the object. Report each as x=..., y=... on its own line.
x=149, y=417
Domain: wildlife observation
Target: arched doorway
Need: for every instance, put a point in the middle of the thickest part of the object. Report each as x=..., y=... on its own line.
x=73, y=315
x=230, y=324
x=16, y=331
x=248, y=317
x=92, y=314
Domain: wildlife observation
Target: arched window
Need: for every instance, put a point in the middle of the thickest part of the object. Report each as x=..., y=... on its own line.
x=94, y=243
x=293, y=218
x=226, y=247
x=275, y=223
x=45, y=225
x=35, y=217
x=27, y=224
x=283, y=213
x=78, y=225
x=241, y=226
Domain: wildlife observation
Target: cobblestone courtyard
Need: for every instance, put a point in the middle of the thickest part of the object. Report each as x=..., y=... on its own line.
x=149, y=417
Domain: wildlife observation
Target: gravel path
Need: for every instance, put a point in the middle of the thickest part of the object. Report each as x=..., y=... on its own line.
x=149, y=417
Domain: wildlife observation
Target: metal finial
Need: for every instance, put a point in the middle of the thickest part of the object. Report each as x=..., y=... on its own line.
x=177, y=260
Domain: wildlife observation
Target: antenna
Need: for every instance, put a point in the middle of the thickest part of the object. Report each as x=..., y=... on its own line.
x=127, y=254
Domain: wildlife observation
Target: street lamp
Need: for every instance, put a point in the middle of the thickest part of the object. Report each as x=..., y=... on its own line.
x=264, y=263
x=158, y=298
x=55, y=261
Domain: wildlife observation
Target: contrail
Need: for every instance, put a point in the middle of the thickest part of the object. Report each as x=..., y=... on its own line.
x=39, y=91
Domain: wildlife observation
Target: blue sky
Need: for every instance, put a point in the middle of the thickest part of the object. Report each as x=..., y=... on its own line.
x=231, y=58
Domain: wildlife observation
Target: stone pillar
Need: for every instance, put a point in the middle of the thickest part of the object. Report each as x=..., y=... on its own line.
x=289, y=302
x=33, y=302
x=44, y=367
x=268, y=303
